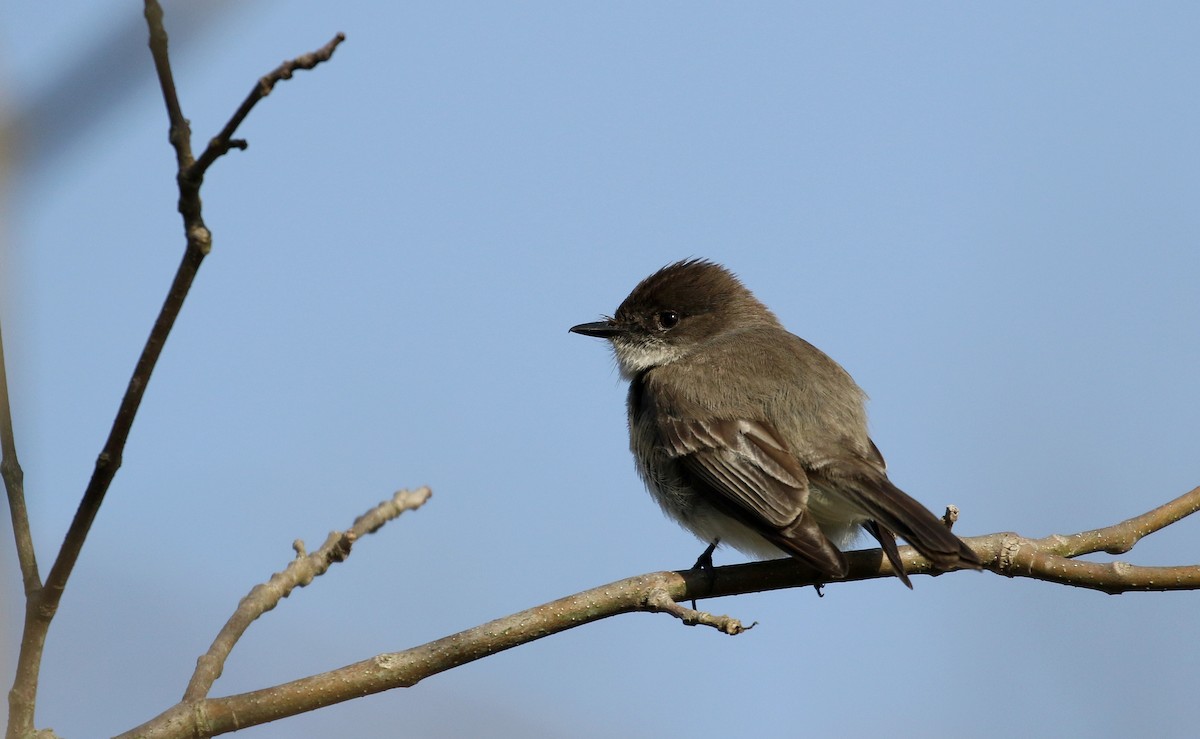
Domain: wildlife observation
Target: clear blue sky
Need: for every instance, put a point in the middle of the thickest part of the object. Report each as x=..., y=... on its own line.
x=988, y=214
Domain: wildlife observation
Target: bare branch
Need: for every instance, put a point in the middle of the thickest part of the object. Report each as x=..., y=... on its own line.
x=1113, y=578
x=407, y=668
x=300, y=572
x=1051, y=558
x=14, y=484
x=42, y=602
x=1120, y=538
x=661, y=592
x=199, y=243
x=224, y=141
x=23, y=696
x=180, y=133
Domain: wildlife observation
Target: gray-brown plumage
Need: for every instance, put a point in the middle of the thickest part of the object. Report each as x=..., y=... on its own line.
x=751, y=436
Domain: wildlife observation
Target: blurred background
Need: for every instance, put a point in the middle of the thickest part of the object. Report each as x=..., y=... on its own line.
x=987, y=214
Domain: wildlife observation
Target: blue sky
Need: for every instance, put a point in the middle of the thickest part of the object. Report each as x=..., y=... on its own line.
x=987, y=214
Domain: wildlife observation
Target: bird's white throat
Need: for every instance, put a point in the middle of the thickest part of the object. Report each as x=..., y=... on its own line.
x=635, y=356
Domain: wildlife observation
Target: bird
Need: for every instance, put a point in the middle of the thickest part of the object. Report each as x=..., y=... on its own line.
x=750, y=436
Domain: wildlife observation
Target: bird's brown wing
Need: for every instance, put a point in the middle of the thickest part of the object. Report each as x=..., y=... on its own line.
x=749, y=473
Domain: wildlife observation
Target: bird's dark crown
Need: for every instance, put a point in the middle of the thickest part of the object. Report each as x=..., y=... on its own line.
x=698, y=292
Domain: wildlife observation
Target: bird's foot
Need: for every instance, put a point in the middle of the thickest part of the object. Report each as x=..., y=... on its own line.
x=704, y=562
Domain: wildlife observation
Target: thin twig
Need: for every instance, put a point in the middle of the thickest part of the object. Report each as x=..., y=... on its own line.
x=224, y=141
x=110, y=457
x=14, y=484
x=950, y=517
x=658, y=600
x=299, y=572
x=180, y=133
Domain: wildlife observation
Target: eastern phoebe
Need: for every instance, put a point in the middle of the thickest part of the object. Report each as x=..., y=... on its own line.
x=750, y=436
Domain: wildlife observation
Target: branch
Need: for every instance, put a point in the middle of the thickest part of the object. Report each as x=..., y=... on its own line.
x=297, y=574
x=224, y=141
x=42, y=603
x=199, y=243
x=1052, y=558
x=180, y=133
x=14, y=484
x=23, y=696
x=661, y=592
x=404, y=669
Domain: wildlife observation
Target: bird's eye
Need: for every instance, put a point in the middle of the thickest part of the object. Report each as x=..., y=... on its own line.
x=668, y=319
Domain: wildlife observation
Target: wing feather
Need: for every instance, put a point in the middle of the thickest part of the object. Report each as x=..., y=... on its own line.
x=751, y=475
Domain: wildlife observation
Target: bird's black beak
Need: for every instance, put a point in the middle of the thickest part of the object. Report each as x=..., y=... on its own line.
x=599, y=329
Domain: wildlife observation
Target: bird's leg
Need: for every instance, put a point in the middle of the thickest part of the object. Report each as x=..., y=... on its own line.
x=704, y=562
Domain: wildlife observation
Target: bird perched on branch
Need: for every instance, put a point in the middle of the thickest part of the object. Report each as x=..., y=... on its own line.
x=750, y=436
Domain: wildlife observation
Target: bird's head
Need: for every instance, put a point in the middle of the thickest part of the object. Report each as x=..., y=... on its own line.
x=674, y=311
